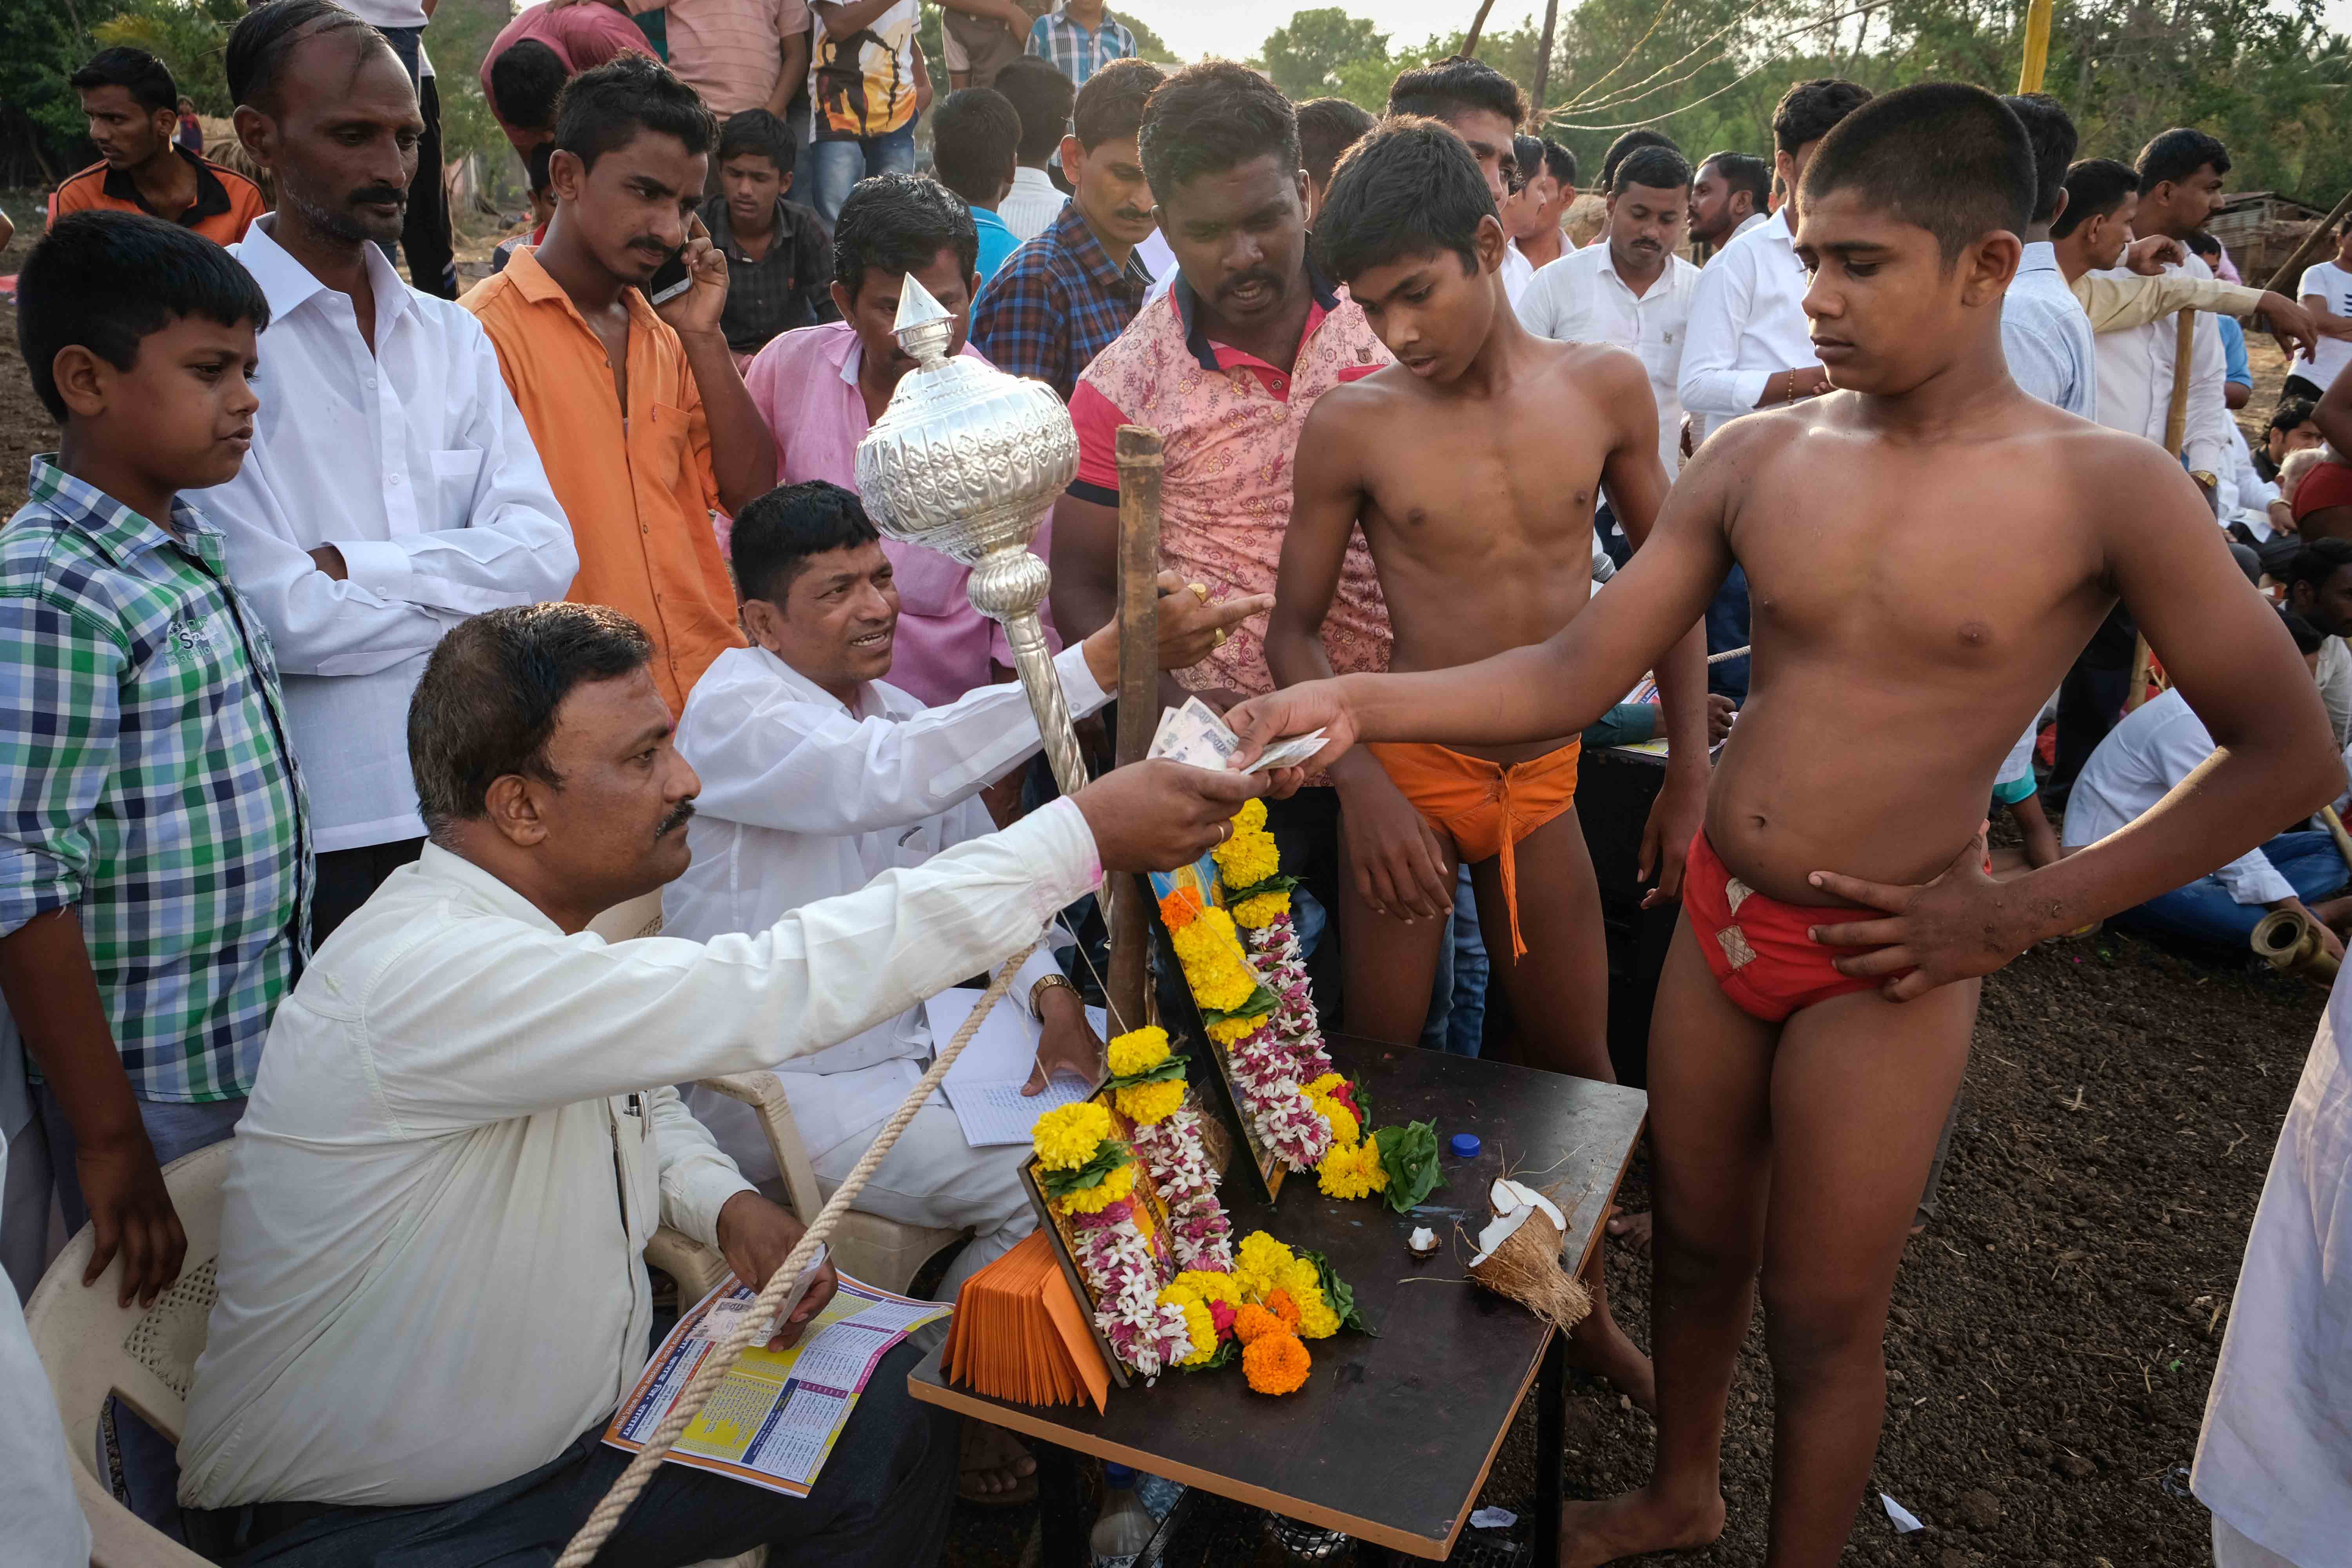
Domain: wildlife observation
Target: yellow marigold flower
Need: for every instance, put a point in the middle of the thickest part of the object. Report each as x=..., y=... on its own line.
x=1351, y=1170
x=1175, y=1293
x=1323, y=1085
x=1202, y=1329
x=1137, y=1050
x=1276, y=1363
x=1344, y=1126
x=1247, y=859
x=1209, y=1287
x=1096, y=1198
x=1150, y=1102
x=1210, y=954
x=1299, y=1277
x=1254, y=1322
x=1258, y=1264
x=1233, y=1031
x=1317, y=1320
x=1250, y=817
x=1064, y=1138
x=1257, y=913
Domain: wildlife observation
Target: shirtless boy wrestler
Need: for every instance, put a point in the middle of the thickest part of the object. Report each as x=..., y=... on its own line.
x=1928, y=547
x=1471, y=464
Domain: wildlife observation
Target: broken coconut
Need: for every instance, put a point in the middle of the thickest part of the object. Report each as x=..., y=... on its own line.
x=1518, y=1257
x=1422, y=1242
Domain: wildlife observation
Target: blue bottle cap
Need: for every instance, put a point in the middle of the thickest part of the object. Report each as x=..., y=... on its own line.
x=1121, y=1476
x=1465, y=1145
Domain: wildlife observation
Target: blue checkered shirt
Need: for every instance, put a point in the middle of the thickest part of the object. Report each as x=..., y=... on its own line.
x=1077, y=53
x=1056, y=303
x=146, y=781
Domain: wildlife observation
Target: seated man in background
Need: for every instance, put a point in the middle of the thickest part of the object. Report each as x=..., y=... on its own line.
x=779, y=253
x=2150, y=753
x=432, y=1283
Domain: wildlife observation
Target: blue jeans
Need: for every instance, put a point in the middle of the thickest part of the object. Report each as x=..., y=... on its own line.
x=1457, y=1006
x=836, y=167
x=2205, y=911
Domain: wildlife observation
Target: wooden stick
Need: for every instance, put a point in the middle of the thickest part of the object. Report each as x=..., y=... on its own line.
x=1477, y=25
x=2335, y=830
x=1543, y=58
x=2037, y=47
x=1140, y=471
x=2284, y=280
x=2176, y=434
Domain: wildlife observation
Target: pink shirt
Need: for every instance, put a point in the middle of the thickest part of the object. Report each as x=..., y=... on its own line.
x=729, y=51
x=805, y=384
x=582, y=36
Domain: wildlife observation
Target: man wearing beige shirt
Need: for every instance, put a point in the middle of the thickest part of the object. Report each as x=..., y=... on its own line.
x=735, y=54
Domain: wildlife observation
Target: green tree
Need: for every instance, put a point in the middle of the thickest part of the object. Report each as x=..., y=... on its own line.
x=188, y=36
x=1149, y=44
x=1323, y=52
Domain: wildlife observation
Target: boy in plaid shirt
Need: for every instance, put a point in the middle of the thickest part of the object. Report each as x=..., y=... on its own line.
x=154, y=858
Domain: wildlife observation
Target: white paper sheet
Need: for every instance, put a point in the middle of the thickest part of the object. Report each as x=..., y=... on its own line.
x=984, y=1086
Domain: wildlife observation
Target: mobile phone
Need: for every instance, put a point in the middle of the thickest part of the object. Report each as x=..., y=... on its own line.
x=670, y=279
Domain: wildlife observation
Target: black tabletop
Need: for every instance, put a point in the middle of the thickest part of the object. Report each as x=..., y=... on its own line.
x=1391, y=1437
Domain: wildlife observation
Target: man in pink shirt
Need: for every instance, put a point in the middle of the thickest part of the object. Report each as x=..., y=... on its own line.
x=821, y=388
x=534, y=55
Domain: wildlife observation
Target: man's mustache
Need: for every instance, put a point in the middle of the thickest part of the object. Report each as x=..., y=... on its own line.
x=375, y=195
x=676, y=819
x=1256, y=275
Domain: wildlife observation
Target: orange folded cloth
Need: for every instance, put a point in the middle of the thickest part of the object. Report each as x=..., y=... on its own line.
x=1020, y=1334
x=1484, y=808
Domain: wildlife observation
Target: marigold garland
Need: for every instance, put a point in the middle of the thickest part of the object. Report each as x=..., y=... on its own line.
x=1064, y=1138
x=1275, y=1363
x=1150, y=1102
x=1247, y=859
x=1351, y=1170
x=1114, y=1188
x=1138, y=1051
x=1259, y=1263
x=1261, y=910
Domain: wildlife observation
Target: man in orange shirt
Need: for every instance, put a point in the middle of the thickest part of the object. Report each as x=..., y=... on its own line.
x=134, y=108
x=639, y=414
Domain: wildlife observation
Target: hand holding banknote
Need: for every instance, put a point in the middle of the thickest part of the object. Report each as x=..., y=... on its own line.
x=1281, y=722
x=1195, y=735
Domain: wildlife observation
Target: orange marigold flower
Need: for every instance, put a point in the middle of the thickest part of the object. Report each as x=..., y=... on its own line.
x=1281, y=1306
x=1252, y=1321
x=1181, y=909
x=1275, y=1363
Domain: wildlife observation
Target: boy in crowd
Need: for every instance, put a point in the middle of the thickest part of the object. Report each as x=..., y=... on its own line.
x=976, y=135
x=1042, y=98
x=1928, y=601
x=868, y=83
x=2326, y=293
x=1728, y=197
x=1064, y=296
x=1327, y=127
x=1472, y=562
x=133, y=107
x=154, y=869
x=779, y=253
x=1477, y=103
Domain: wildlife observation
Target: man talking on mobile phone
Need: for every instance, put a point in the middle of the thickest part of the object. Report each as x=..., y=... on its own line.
x=637, y=406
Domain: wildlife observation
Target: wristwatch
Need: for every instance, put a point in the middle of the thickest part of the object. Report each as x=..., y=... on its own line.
x=1049, y=983
x=2205, y=477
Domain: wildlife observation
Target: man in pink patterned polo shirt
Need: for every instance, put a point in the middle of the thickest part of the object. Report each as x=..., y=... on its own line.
x=1226, y=366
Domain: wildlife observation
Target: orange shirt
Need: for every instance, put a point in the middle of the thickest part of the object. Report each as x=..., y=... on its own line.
x=225, y=205
x=637, y=487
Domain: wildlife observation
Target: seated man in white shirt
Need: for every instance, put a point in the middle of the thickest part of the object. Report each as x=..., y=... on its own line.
x=818, y=777
x=432, y=1289
x=2147, y=756
x=392, y=489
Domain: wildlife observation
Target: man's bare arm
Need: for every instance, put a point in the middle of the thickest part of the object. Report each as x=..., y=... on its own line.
x=792, y=75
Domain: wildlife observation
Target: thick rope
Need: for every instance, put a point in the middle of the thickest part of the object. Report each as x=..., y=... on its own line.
x=756, y=1323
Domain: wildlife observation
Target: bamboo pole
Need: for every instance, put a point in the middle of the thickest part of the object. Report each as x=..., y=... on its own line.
x=1140, y=470
x=2175, y=434
x=2037, y=47
x=2283, y=280
x=2335, y=830
x=1477, y=25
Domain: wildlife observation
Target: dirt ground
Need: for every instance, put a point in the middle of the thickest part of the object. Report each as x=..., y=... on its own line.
x=2054, y=1335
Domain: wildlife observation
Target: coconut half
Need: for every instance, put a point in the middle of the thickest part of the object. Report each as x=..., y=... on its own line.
x=1518, y=1257
x=1422, y=1242
x=1507, y=1194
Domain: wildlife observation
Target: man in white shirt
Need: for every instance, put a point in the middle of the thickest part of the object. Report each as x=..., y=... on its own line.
x=392, y=489
x=1749, y=343
x=1729, y=197
x=2326, y=293
x=432, y=1289
x=1531, y=215
x=2045, y=333
x=2150, y=753
x=1044, y=97
x=816, y=778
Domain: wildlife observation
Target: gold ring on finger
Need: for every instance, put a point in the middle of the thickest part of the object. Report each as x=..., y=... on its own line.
x=1200, y=591
x=1222, y=634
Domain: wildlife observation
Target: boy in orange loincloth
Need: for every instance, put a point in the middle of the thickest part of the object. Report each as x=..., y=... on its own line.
x=1927, y=548
x=1471, y=465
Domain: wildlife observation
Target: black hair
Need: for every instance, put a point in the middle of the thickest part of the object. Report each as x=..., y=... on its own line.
x=525, y=81
x=263, y=37
x=975, y=136
x=1453, y=84
x=2095, y=187
x=1109, y=108
x=602, y=111
x=486, y=704
x=2051, y=133
x=898, y=223
x=1812, y=109
x=1558, y=163
x=1652, y=168
x=1042, y=96
x=1743, y=172
x=2177, y=154
x=1624, y=147
x=1327, y=128
x=538, y=167
x=1411, y=188
x=1211, y=117
x=145, y=78
x=1949, y=158
x=2203, y=244
x=2316, y=562
x=104, y=281
x=2308, y=639
x=756, y=131
x=775, y=535
x=2292, y=414
x=1526, y=157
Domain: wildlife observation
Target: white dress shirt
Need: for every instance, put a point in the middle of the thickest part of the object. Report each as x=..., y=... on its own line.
x=1747, y=323
x=803, y=799
x=1580, y=298
x=1517, y=272
x=2136, y=380
x=2140, y=761
x=2045, y=335
x=414, y=463
x=2271, y=1457
x=431, y=1278
x=1030, y=208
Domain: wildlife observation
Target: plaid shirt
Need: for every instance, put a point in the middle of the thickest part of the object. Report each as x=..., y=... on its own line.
x=1056, y=302
x=1077, y=53
x=146, y=780
x=790, y=286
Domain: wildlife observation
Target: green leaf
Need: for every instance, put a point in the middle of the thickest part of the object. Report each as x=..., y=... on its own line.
x=1228, y=1352
x=1109, y=1155
x=1336, y=1291
x=1277, y=883
x=1172, y=1067
x=1261, y=1003
x=1409, y=1154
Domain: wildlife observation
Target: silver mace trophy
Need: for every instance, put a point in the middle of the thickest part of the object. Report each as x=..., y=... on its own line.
x=967, y=460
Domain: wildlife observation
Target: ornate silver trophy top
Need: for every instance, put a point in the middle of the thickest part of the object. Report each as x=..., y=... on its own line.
x=966, y=459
